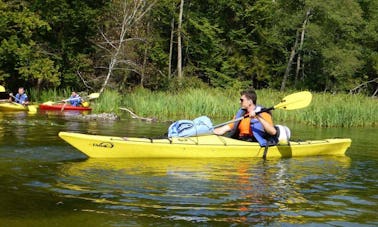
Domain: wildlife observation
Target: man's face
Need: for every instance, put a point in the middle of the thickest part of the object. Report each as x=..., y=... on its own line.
x=245, y=102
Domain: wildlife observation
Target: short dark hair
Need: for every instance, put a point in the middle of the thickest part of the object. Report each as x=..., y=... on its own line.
x=250, y=94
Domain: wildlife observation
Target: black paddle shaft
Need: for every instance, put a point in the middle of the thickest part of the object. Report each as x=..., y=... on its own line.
x=262, y=111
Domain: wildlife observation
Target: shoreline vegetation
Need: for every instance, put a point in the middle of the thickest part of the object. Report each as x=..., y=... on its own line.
x=325, y=110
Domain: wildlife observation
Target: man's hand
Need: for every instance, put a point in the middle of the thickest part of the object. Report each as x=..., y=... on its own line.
x=252, y=114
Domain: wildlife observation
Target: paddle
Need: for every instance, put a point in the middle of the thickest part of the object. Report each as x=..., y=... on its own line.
x=2, y=89
x=31, y=108
x=89, y=97
x=291, y=102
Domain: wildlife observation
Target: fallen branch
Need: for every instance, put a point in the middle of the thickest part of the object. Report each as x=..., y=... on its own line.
x=352, y=91
x=133, y=115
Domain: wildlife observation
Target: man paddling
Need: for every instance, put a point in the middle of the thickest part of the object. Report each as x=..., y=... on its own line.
x=20, y=97
x=256, y=128
x=74, y=100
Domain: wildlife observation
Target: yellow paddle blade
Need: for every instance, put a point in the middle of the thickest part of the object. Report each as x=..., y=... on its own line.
x=291, y=102
x=2, y=88
x=295, y=101
x=32, y=108
x=93, y=96
x=48, y=103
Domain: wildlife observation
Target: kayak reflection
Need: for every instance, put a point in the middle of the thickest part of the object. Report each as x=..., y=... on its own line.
x=202, y=190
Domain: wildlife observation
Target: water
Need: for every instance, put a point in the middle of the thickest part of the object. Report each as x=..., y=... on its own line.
x=46, y=182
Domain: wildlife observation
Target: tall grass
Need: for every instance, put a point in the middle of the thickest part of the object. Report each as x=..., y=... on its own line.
x=109, y=101
x=325, y=110
x=49, y=95
x=187, y=104
x=342, y=110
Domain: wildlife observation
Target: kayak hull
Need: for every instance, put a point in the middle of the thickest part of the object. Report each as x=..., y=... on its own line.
x=60, y=106
x=11, y=106
x=209, y=146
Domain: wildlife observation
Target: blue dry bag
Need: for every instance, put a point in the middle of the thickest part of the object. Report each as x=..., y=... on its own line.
x=185, y=128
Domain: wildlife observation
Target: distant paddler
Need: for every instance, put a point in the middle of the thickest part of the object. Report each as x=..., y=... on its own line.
x=20, y=97
x=20, y=102
x=74, y=99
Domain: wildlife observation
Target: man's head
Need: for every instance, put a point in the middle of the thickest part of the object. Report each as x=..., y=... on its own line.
x=21, y=90
x=249, y=95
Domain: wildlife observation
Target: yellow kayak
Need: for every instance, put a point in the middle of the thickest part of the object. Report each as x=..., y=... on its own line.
x=12, y=106
x=208, y=146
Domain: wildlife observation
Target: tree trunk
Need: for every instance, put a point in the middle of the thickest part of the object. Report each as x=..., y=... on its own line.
x=292, y=54
x=179, y=54
x=131, y=13
x=171, y=48
x=299, y=58
x=294, y=51
x=145, y=57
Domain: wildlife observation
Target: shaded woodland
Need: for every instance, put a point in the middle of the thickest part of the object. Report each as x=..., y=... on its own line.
x=92, y=45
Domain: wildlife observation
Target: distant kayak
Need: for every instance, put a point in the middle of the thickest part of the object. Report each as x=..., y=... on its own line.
x=60, y=106
x=11, y=106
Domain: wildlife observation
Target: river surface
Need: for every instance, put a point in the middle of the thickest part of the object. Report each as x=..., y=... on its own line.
x=46, y=182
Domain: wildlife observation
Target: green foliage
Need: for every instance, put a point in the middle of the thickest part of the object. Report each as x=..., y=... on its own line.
x=332, y=38
x=42, y=42
x=53, y=95
x=342, y=110
x=325, y=110
x=185, y=104
x=109, y=101
x=226, y=44
x=20, y=54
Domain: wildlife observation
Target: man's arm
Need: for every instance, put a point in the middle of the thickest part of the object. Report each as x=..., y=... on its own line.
x=222, y=130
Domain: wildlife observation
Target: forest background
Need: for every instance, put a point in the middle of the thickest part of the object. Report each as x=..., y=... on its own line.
x=322, y=45
x=148, y=55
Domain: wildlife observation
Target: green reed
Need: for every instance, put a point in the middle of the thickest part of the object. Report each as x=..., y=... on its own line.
x=109, y=101
x=341, y=110
x=49, y=95
x=325, y=110
x=187, y=104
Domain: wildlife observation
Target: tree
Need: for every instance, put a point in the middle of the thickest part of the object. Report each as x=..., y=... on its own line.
x=333, y=53
x=69, y=42
x=366, y=78
x=298, y=44
x=179, y=50
x=23, y=59
x=118, y=34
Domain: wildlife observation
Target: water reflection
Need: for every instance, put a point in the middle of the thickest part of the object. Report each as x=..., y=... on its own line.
x=216, y=190
x=67, y=113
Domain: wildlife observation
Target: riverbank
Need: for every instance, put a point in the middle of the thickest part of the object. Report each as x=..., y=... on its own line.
x=325, y=110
